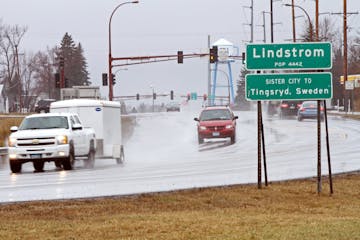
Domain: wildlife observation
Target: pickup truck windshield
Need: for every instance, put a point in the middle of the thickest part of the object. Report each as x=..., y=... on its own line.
x=44, y=123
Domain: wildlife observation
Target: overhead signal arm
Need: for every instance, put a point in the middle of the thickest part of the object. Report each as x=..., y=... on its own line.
x=155, y=58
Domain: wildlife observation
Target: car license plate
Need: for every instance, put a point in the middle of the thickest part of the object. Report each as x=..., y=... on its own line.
x=216, y=134
x=35, y=155
x=292, y=107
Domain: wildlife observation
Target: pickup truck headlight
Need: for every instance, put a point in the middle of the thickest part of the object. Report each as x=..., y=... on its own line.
x=229, y=126
x=202, y=128
x=62, y=139
x=12, y=142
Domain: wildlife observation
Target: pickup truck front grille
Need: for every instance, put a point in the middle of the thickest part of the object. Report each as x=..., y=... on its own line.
x=26, y=142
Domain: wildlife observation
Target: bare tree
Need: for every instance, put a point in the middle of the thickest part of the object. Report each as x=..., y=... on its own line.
x=44, y=66
x=10, y=39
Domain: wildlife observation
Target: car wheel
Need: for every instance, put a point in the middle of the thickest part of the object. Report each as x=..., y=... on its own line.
x=38, y=166
x=68, y=163
x=200, y=140
x=233, y=139
x=15, y=166
x=299, y=119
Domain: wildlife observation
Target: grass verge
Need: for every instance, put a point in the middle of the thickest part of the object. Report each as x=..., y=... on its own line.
x=284, y=210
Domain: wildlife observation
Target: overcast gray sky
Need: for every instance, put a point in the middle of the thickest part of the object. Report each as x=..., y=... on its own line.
x=155, y=27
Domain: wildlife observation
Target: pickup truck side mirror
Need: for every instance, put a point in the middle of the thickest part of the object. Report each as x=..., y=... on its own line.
x=196, y=119
x=235, y=117
x=76, y=126
x=13, y=129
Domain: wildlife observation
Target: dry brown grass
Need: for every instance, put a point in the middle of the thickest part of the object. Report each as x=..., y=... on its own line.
x=284, y=210
x=5, y=124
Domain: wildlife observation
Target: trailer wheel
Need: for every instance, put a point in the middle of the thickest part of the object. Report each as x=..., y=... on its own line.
x=122, y=156
x=90, y=161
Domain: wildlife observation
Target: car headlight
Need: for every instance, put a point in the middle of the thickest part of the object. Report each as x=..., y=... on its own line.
x=202, y=128
x=229, y=126
x=12, y=142
x=62, y=139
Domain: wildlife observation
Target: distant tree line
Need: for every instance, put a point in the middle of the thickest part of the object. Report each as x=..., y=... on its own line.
x=27, y=77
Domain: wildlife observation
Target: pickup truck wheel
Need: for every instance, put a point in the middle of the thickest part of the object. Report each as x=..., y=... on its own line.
x=39, y=166
x=200, y=140
x=68, y=163
x=58, y=164
x=122, y=156
x=15, y=166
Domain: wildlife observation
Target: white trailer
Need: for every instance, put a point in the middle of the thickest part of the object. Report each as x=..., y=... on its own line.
x=104, y=117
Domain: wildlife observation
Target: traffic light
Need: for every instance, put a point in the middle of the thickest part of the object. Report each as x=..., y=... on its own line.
x=137, y=96
x=154, y=96
x=180, y=57
x=205, y=97
x=213, y=54
x=171, y=95
x=243, y=56
x=113, y=79
x=188, y=96
x=104, y=79
x=57, y=80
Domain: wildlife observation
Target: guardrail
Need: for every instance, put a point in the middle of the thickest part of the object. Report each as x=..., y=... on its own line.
x=3, y=151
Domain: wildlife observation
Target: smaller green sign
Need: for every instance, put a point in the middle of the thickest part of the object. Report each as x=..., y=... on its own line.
x=290, y=86
x=193, y=96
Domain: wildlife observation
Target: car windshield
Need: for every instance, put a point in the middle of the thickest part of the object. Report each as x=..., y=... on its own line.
x=215, y=114
x=44, y=123
x=310, y=104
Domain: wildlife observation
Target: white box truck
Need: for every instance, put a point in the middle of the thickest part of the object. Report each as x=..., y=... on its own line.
x=104, y=117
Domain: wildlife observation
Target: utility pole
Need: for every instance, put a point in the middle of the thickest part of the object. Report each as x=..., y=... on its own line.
x=345, y=63
x=316, y=20
x=209, y=76
x=293, y=20
x=252, y=21
x=19, y=78
x=345, y=55
x=271, y=21
x=264, y=26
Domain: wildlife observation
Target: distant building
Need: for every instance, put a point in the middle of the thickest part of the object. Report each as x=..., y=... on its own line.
x=89, y=92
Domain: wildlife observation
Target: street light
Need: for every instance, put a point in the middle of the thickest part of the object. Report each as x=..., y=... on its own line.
x=307, y=15
x=110, y=56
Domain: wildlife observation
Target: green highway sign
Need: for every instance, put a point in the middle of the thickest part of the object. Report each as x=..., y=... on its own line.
x=193, y=96
x=314, y=55
x=288, y=86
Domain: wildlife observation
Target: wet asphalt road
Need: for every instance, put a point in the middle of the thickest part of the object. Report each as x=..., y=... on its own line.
x=163, y=155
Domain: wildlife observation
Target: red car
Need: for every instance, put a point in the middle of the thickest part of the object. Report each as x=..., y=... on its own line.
x=216, y=122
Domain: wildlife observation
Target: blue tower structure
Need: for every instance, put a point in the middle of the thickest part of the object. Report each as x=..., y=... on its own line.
x=225, y=50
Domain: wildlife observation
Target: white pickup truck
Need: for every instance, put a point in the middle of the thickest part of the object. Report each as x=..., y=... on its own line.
x=57, y=137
